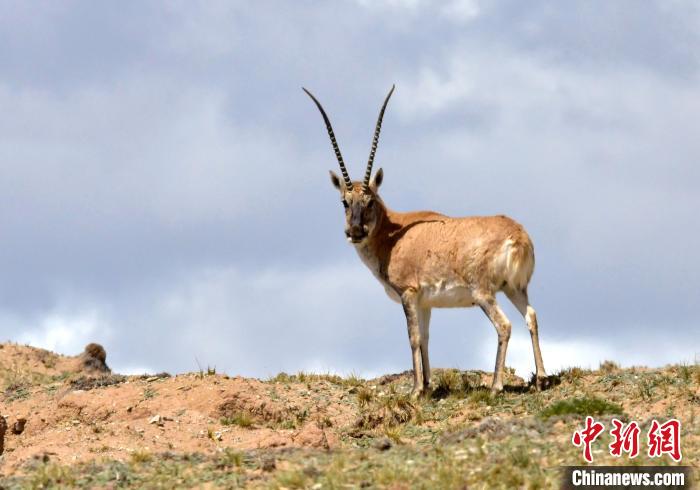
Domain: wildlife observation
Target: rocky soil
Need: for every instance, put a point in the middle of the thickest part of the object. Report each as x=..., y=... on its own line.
x=70, y=421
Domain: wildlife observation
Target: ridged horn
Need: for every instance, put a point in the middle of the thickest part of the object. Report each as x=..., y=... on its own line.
x=343, y=170
x=375, y=141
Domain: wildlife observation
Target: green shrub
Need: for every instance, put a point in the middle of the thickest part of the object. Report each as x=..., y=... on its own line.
x=581, y=406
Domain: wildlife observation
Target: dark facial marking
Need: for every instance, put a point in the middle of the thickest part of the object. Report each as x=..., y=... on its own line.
x=356, y=215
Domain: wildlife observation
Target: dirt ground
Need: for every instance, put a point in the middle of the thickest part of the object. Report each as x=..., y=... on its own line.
x=76, y=415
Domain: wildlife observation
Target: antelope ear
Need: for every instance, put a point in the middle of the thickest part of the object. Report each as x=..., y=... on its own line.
x=377, y=180
x=335, y=180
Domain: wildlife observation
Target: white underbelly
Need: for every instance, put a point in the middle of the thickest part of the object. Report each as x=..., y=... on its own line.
x=445, y=295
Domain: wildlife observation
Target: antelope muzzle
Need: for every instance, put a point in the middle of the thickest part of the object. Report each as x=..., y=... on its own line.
x=356, y=230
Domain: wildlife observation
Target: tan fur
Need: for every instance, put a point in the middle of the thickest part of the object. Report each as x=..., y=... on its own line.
x=428, y=260
x=485, y=254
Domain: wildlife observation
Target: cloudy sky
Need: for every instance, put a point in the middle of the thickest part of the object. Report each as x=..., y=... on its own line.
x=164, y=181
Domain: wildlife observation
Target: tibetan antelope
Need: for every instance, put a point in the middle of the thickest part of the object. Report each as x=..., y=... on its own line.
x=428, y=260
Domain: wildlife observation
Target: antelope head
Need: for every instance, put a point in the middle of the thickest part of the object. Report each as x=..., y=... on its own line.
x=363, y=206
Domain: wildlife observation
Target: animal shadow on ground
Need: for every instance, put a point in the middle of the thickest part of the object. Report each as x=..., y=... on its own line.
x=472, y=384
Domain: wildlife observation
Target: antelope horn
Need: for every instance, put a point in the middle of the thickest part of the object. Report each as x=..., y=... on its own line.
x=375, y=141
x=346, y=177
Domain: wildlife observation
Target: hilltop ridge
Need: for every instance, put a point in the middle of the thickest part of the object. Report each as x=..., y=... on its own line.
x=94, y=427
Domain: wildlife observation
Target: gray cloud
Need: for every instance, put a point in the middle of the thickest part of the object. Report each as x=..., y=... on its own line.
x=164, y=189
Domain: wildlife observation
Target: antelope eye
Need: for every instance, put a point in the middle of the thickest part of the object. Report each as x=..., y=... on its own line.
x=345, y=204
x=370, y=205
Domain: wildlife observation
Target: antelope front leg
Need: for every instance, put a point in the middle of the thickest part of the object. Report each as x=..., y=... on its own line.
x=503, y=328
x=409, y=299
x=424, y=323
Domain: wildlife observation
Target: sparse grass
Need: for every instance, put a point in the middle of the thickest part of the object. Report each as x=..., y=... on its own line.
x=582, y=407
x=573, y=375
x=92, y=382
x=240, y=419
x=16, y=392
x=16, y=384
x=211, y=434
x=481, y=396
x=364, y=396
x=463, y=437
x=292, y=479
x=388, y=410
x=609, y=367
x=282, y=378
x=149, y=393
x=48, y=358
x=201, y=373
x=300, y=417
x=448, y=382
x=645, y=389
x=230, y=458
x=393, y=433
x=141, y=457
x=304, y=377
x=687, y=372
x=351, y=381
x=52, y=476
x=455, y=384
x=51, y=389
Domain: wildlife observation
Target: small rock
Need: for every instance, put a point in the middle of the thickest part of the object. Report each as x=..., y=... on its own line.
x=269, y=463
x=94, y=359
x=43, y=457
x=312, y=472
x=383, y=444
x=18, y=427
x=156, y=419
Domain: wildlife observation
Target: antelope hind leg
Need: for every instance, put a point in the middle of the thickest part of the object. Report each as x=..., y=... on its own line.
x=520, y=301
